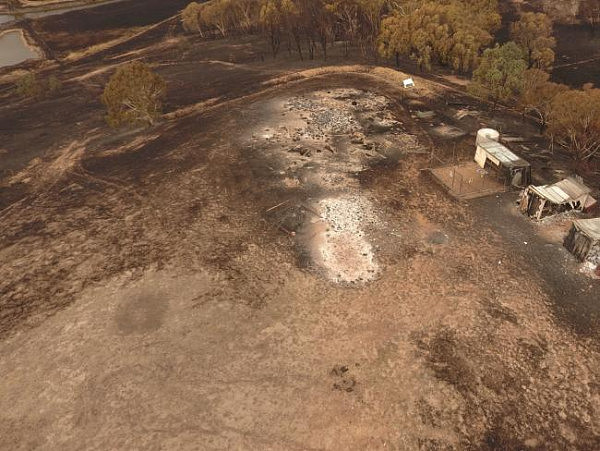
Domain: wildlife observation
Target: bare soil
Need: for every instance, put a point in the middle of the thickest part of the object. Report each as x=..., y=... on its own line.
x=151, y=296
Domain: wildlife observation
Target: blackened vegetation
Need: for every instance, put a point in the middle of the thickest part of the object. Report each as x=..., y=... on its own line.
x=105, y=22
x=344, y=381
x=446, y=355
x=499, y=438
x=501, y=395
x=376, y=170
x=498, y=311
x=432, y=444
x=448, y=362
x=29, y=228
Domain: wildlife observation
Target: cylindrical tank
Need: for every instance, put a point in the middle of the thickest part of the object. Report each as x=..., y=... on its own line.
x=487, y=134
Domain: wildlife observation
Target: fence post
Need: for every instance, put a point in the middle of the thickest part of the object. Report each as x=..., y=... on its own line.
x=453, y=176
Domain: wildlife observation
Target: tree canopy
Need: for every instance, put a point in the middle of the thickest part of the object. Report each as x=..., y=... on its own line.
x=450, y=32
x=574, y=122
x=537, y=93
x=533, y=33
x=589, y=13
x=499, y=75
x=133, y=94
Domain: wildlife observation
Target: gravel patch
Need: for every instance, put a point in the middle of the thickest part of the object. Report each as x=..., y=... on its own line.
x=322, y=140
x=344, y=251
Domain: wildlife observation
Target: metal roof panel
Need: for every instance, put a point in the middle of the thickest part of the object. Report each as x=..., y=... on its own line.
x=568, y=190
x=502, y=153
x=590, y=227
x=574, y=187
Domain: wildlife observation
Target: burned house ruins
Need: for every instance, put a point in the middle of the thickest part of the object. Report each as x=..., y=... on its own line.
x=583, y=240
x=571, y=193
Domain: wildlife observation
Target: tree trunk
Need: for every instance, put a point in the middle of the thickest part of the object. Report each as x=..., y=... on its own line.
x=298, y=46
x=275, y=43
x=542, y=126
x=311, y=49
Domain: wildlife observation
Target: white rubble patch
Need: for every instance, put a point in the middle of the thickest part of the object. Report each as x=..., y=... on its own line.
x=592, y=263
x=343, y=250
x=589, y=269
x=319, y=142
x=328, y=112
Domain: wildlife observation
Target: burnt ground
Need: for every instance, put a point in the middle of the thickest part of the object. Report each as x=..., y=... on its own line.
x=81, y=29
x=577, y=56
x=150, y=296
x=577, y=49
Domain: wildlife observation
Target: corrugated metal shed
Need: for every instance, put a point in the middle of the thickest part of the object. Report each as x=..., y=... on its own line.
x=552, y=193
x=589, y=227
x=502, y=154
x=573, y=187
x=568, y=190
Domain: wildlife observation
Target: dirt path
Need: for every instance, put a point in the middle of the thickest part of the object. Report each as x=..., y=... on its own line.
x=576, y=63
x=573, y=294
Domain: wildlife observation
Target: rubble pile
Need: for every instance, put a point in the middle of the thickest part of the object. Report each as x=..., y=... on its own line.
x=321, y=140
x=336, y=112
x=343, y=248
x=323, y=118
x=594, y=256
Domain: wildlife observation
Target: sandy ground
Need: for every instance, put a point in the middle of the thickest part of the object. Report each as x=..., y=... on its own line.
x=195, y=322
x=152, y=297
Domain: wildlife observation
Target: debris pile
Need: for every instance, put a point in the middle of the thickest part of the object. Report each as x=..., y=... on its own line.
x=343, y=249
x=332, y=112
x=320, y=142
x=322, y=118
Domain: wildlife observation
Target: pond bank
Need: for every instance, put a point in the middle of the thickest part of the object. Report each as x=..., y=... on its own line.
x=16, y=47
x=36, y=11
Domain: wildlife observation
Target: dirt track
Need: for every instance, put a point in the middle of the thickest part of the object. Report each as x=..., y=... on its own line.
x=149, y=298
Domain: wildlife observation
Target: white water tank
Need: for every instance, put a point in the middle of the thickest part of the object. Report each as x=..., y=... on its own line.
x=487, y=134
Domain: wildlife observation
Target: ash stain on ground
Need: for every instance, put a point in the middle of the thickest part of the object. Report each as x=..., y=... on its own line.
x=315, y=144
x=573, y=293
x=141, y=313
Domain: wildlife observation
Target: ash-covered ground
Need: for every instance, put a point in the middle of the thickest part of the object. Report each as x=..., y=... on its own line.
x=321, y=142
x=198, y=284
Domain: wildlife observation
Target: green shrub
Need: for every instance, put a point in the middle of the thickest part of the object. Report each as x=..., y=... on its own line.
x=29, y=86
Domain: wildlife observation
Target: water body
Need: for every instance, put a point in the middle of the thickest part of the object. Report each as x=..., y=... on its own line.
x=36, y=14
x=14, y=50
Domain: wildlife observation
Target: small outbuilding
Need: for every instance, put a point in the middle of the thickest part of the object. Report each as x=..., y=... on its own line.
x=546, y=200
x=583, y=240
x=494, y=156
x=408, y=83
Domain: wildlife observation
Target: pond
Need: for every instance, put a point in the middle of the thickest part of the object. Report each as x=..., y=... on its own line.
x=14, y=49
x=36, y=13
